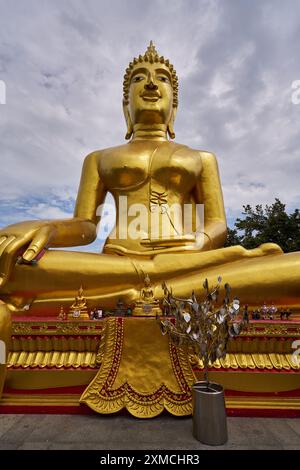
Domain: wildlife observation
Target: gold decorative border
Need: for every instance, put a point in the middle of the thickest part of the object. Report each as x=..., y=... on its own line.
x=72, y=400
x=239, y=361
x=54, y=327
x=55, y=343
x=261, y=328
x=102, y=398
x=52, y=359
x=81, y=359
x=263, y=403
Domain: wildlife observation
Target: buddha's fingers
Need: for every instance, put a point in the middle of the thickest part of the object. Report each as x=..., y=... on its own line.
x=39, y=242
x=8, y=258
x=6, y=243
x=2, y=239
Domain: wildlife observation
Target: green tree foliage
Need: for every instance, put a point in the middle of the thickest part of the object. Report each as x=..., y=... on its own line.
x=268, y=224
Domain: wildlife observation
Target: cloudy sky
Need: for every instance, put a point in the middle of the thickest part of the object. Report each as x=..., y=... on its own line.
x=63, y=62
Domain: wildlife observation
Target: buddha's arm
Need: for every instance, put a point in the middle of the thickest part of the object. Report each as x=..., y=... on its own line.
x=91, y=195
x=32, y=237
x=81, y=229
x=208, y=191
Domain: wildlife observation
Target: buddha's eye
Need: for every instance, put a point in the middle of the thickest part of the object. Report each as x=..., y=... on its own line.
x=162, y=78
x=137, y=78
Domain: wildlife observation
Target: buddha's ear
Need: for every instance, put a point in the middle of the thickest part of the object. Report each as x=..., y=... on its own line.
x=128, y=122
x=170, y=126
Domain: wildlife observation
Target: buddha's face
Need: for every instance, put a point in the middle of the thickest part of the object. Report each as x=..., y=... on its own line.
x=150, y=94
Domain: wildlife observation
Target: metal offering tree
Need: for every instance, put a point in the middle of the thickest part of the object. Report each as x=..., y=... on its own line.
x=202, y=327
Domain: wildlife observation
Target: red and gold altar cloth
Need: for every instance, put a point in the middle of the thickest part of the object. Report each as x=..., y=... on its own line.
x=141, y=371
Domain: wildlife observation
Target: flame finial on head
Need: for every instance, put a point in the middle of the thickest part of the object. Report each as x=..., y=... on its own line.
x=147, y=281
x=151, y=49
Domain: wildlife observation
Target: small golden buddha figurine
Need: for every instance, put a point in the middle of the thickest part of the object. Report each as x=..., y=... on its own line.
x=79, y=308
x=152, y=171
x=147, y=305
x=61, y=315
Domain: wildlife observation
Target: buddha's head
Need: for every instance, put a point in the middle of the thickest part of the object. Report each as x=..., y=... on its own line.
x=150, y=92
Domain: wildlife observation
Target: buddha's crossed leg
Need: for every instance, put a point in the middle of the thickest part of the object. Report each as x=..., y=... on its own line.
x=57, y=276
x=262, y=274
x=254, y=280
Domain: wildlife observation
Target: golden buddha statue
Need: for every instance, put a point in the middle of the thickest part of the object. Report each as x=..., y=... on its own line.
x=61, y=316
x=157, y=173
x=79, y=307
x=147, y=305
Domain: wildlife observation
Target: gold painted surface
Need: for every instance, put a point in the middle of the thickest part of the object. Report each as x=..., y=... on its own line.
x=266, y=403
x=40, y=400
x=72, y=400
x=145, y=170
x=51, y=343
x=53, y=327
x=149, y=169
x=261, y=328
x=147, y=305
x=144, y=380
x=5, y=340
x=56, y=359
x=252, y=361
x=32, y=335
x=262, y=346
x=38, y=379
x=240, y=381
x=75, y=359
x=253, y=381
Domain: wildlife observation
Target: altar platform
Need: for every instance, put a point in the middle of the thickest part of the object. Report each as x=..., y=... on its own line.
x=52, y=364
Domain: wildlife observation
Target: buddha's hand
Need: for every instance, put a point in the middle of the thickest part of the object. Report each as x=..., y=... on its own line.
x=25, y=241
x=188, y=239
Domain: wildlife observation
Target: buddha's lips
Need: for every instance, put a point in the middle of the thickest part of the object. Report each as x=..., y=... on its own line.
x=150, y=96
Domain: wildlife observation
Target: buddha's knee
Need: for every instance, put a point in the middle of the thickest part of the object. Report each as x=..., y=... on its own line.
x=261, y=250
x=270, y=248
x=5, y=338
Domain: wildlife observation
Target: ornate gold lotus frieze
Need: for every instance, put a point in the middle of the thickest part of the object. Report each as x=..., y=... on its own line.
x=88, y=359
x=272, y=329
x=55, y=328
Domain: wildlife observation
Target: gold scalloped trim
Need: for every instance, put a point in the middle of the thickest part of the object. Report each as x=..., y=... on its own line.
x=252, y=361
x=83, y=359
x=52, y=359
x=55, y=343
x=102, y=398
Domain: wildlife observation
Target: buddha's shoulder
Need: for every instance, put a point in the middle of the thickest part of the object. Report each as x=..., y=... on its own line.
x=203, y=159
x=181, y=149
x=102, y=153
x=203, y=155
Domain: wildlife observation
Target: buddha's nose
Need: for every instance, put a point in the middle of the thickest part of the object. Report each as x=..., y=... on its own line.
x=150, y=85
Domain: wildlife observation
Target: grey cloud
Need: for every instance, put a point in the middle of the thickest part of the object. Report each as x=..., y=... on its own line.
x=63, y=63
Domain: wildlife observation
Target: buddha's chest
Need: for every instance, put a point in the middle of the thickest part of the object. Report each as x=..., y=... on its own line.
x=131, y=168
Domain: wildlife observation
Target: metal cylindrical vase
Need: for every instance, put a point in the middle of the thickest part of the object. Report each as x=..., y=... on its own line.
x=209, y=414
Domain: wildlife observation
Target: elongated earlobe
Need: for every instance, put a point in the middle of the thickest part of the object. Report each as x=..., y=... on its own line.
x=170, y=127
x=128, y=122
